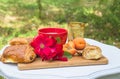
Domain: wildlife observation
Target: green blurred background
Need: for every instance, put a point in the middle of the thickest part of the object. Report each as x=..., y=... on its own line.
x=22, y=18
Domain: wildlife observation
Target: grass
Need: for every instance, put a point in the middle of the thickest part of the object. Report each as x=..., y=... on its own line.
x=2, y=77
x=20, y=19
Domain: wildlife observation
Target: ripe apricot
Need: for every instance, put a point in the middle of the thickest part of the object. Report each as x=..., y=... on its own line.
x=71, y=44
x=69, y=47
x=65, y=47
x=72, y=51
x=80, y=43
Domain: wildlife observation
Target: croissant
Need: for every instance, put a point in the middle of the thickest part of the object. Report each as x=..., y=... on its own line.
x=92, y=52
x=18, y=54
x=20, y=41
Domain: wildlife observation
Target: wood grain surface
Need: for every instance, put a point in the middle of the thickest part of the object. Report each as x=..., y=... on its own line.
x=74, y=61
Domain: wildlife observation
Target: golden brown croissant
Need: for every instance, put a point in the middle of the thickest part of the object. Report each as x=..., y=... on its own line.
x=92, y=52
x=20, y=41
x=18, y=54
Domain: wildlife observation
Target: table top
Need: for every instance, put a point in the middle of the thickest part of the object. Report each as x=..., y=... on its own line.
x=80, y=72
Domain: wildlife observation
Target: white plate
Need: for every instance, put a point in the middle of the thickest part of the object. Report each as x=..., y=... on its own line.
x=80, y=72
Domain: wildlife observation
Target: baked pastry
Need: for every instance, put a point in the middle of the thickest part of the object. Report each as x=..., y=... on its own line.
x=20, y=41
x=92, y=52
x=29, y=40
x=18, y=54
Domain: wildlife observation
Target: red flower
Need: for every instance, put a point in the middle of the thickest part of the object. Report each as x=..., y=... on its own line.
x=47, y=48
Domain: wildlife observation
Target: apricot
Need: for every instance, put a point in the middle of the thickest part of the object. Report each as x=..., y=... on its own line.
x=80, y=43
x=70, y=47
x=72, y=51
x=71, y=44
x=65, y=46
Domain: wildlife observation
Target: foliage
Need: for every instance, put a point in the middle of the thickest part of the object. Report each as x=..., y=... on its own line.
x=20, y=18
x=2, y=77
x=102, y=16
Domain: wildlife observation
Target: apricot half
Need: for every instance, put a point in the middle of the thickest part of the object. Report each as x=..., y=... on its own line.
x=71, y=44
x=80, y=43
x=69, y=47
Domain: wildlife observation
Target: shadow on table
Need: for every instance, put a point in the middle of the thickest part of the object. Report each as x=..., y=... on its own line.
x=113, y=76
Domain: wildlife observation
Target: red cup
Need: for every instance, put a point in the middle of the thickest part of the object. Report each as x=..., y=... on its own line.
x=59, y=34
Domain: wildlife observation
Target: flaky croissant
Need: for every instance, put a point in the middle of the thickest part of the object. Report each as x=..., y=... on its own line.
x=92, y=52
x=18, y=54
x=20, y=41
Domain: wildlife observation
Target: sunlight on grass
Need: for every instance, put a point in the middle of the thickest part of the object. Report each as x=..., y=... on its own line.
x=2, y=77
x=21, y=18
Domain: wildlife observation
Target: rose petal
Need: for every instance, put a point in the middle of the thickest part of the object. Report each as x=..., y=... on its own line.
x=47, y=51
x=59, y=49
x=54, y=54
x=37, y=51
x=50, y=41
x=61, y=58
x=36, y=41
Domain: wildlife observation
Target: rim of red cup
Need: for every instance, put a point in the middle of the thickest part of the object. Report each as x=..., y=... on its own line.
x=49, y=30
